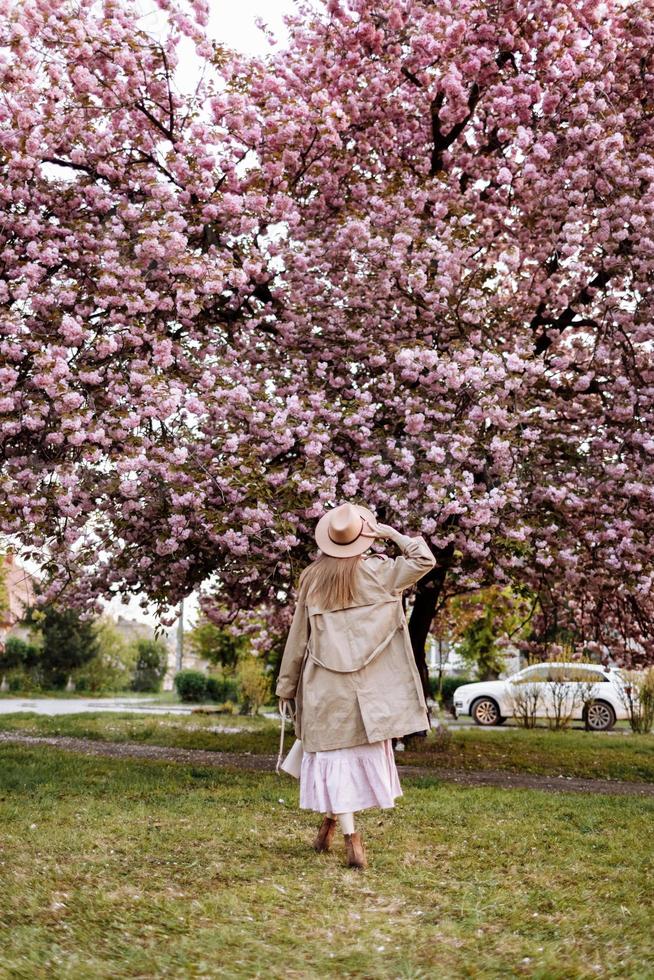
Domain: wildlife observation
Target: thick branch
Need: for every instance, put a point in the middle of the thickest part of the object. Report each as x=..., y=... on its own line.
x=164, y=130
x=542, y=323
x=442, y=141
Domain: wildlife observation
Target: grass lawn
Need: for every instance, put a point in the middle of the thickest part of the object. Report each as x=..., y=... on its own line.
x=569, y=753
x=197, y=731
x=144, y=869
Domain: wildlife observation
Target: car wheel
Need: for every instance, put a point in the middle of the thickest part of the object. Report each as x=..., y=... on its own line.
x=600, y=716
x=486, y=712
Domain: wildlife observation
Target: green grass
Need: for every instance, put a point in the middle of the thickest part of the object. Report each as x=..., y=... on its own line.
x=568, y=753
x=257, y=734
x=144, y=869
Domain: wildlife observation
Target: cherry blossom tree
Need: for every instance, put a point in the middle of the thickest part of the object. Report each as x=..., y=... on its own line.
x=406, y=259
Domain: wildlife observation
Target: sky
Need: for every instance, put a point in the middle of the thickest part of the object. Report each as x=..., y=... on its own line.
x=234, y=23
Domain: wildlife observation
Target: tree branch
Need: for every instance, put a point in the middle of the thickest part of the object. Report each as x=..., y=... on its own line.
x=442, y=141
x=584, y=297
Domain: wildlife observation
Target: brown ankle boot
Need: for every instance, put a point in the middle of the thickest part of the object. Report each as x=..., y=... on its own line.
x=325, y=834
x=355, y=851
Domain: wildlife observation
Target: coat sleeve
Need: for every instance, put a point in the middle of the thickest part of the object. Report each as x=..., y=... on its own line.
x=416, y=560
x=296, y=644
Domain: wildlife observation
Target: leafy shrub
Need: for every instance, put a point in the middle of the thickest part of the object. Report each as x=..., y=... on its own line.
x=112, y=667
x=449, y=685
x=637, y=696
x=191, y=685
x=18, y=681
x=222, y=689
x=23, y=681
x=19, y=653
x=151, y=663
x=254, y=683
x=19, y=665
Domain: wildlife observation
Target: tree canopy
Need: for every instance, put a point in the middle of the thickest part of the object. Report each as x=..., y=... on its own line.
x=405, y=258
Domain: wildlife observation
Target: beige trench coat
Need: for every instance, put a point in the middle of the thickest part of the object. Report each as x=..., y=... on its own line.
x=352, y=671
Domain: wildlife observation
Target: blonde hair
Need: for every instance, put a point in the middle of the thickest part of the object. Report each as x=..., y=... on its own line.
x=330, y=582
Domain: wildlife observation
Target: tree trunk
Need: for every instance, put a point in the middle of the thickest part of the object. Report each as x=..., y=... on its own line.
x=428, y=592
x=419, y=624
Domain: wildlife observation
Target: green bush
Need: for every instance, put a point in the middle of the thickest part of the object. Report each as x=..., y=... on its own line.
x=448, y=687
x=23, y=681
x=222, y=689
x=17, y=682
x=19, y=654
x=151, y=661
x=229, y=708
x=191, y=685
x=19, y=664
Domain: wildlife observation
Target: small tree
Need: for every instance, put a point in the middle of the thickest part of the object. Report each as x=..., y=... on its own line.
x=637, y=696
x=68, y=642
x=4, y=595
x=254, y=683
x=151, y=665
x=563, y=698
x=480, y=624
x=215, y=645
x=478, y=648
x=525, y=701
x=112, y=667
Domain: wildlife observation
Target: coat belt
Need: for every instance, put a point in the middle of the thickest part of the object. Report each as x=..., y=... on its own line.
x=353, y=670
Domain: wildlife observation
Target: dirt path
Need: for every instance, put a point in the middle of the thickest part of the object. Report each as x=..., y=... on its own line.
x=266, y=763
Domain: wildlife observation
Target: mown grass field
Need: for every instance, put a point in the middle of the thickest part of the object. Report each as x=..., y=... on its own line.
x=568, y=753
x=145, y=869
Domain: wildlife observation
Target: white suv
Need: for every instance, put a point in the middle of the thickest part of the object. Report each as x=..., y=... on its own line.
x=549, y=690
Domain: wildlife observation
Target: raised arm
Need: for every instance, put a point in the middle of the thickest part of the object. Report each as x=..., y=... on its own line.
x=296, y=644
x=416, y=560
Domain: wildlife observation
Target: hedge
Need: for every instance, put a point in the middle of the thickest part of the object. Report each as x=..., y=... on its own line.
x=191, y=685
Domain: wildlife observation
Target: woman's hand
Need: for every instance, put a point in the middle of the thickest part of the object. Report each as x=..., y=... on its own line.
x=285, y=702
x=382, y=530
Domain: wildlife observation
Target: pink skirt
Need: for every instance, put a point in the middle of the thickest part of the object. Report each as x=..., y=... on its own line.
x=347, y=780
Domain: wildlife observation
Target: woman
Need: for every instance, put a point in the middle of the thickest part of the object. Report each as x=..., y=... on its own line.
x=349, y=666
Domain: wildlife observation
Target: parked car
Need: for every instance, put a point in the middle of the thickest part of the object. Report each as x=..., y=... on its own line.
x=580, y=691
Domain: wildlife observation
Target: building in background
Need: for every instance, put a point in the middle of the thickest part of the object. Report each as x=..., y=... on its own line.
x=18, y=588
x=190, y=660
x=442, y=658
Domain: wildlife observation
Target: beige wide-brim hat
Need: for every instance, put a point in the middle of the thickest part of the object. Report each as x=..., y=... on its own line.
x=346, y=531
